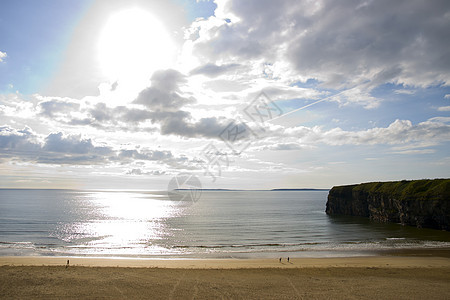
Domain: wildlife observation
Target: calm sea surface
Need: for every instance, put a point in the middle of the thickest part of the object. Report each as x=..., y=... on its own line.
x=221, y=224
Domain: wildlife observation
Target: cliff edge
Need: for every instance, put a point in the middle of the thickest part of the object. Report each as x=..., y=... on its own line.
x=420, y=203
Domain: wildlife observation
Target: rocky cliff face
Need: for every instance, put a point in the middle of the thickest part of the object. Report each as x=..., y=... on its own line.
x=421, y=203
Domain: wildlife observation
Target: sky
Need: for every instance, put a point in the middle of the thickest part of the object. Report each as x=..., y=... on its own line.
x=253, y=94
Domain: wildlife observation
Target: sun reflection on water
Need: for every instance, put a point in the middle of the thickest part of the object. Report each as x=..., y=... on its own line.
x=132, y=206
x=121, y=223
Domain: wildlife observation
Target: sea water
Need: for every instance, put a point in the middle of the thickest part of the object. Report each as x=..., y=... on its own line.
x=218, y=224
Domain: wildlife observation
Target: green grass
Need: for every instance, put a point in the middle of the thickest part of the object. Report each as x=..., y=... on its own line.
x=422, y=189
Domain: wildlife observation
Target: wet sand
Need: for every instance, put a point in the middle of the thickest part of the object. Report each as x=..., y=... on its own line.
x=386, y=261
x=387, y=277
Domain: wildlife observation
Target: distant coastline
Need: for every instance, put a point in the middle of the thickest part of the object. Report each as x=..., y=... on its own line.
x=161, y=190
x=242, y=190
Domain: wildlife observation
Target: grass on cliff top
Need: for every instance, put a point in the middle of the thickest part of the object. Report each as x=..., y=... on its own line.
x=425, y=188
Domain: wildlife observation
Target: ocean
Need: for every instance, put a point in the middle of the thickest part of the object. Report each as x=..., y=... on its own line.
x=219, y=224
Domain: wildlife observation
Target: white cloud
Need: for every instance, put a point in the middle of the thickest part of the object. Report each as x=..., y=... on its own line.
x=444, y=108
x=413, y=146
x=398, y=132
x=405, y=92
x=406, y=137
x=14, y=105
x=440, y=119
x=422, y=151
x=447, y=96
x=356, y=95
x=279, y=91
x=3, y=55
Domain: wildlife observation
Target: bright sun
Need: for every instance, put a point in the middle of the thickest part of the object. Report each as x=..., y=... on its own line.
x=133, y=44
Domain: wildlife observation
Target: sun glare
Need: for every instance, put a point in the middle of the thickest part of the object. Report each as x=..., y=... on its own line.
x=133, y=44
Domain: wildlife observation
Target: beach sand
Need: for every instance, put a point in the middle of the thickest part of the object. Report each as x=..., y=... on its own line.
x=386, y=277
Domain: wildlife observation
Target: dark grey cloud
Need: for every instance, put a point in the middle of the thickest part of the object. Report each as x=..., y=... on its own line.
x=284, y=146
x=22, y=141
x=162, y=105
x=134, y=115
x=173, y=122
x=339, y=43
x=402, y=41
x=56, y=149
x=168, y=80
x=70, y=159
x=56, y=142
x=60, y=149
x=162, y=157
x=154, y=98
x=256, y=35
x=72, y=149
x=52, y=107
x=150, y=155
x=164, y=92
x=213, y=70
x=118, y=118
x=114, y=86
x=203, y=128
x=144, y=172
x=101, y=114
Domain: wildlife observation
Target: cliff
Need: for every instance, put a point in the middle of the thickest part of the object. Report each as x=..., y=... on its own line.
x=421, y=203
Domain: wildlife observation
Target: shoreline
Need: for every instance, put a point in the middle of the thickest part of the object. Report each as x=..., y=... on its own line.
x=402, y=258
x=443, y=252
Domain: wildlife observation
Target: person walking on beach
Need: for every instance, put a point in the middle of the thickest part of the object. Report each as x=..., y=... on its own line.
x=280, y=259
x=288, y=259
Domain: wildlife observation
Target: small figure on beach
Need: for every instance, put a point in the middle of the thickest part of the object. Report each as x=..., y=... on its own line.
x=288, y=259
x=67, y=265
x=280, y=259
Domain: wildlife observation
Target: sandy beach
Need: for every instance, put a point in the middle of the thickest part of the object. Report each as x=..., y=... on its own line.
x=387, y=277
